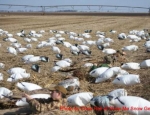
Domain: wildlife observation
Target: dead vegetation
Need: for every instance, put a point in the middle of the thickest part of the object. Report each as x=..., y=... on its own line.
x=78, y=24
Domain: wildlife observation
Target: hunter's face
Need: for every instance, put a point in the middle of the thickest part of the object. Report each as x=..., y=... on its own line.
x=55, y=95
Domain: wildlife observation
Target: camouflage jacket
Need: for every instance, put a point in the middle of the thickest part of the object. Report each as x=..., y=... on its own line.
x=42, y=105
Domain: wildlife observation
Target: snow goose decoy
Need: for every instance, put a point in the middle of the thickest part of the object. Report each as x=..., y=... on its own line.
x=36, y=59
x=122, y=36
x=15, y=70
x=5, y=92
x=56, y=50
x=1, y=76
x=74, y=50
x=63, y=63
x=12, y=50
x=25, y=86
x=16, y=76
x=130, y=48
x=109, y=51
x=113, y=31
x=2, y=65
x=12, y=40
x=23, y=102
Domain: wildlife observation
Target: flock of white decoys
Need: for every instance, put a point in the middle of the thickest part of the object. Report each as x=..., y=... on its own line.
x=118, y=97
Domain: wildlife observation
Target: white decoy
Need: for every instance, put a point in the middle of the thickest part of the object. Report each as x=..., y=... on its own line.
x=109, y=51
x=61, y=38
x=41, y=31
x=26, y=57
x=99, y=42
x=52, y=38
x=100, y=33
x=113, y=31
x=25, y=86
x=68, y=60
x=9, y=35
x=74, y=48
x=100, y=36
x=89, y=42
x=36, y=59
x=79, y=39
x=15, y=77
x=105, y=45
x=33, y=59
x=15, y=70
x=5, y=32
x=5, y=92
x=21, y=33
x=63, y=63
x=23, y=102
x=145, y=63
x=98, y=71
x=61, y=32
x=67, y=44
x=58, y=35
x=13, y=40
x=29, y=46
x=88, y=65
x=108, y=40
x=83, y=48
x=1, y=30
x=55, y=68
x=71, y=37
x=34, y=39
x=133, y=105
x=87, y=36
x=35, y=35
x=12, y=50
x=2, y=65
x=134, y=38
x=147, y=44
x=1, y=76
x=49, y=44
x=40, y=46
x=56, y=49
x=129, y=79
x=53, y=31
x=16, y=45
x=27, y=40
x=131, y=65
x=122, y=36
x=130, y=48
x=70, y=82
x=21, y=50
x=117, y=93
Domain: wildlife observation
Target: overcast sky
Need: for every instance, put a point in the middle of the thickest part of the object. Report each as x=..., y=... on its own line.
x=134, y=3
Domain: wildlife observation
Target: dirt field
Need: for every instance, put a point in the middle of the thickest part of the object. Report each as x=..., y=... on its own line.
x=78, y=24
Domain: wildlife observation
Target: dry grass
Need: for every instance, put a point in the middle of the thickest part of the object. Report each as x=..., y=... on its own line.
x=78, y=24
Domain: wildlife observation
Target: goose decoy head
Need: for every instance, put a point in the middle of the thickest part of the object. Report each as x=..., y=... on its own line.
x=101, y=47
x=76, y=45
x=44, y=59
x=59, y=56
x=35, y=68
x=59, y=42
